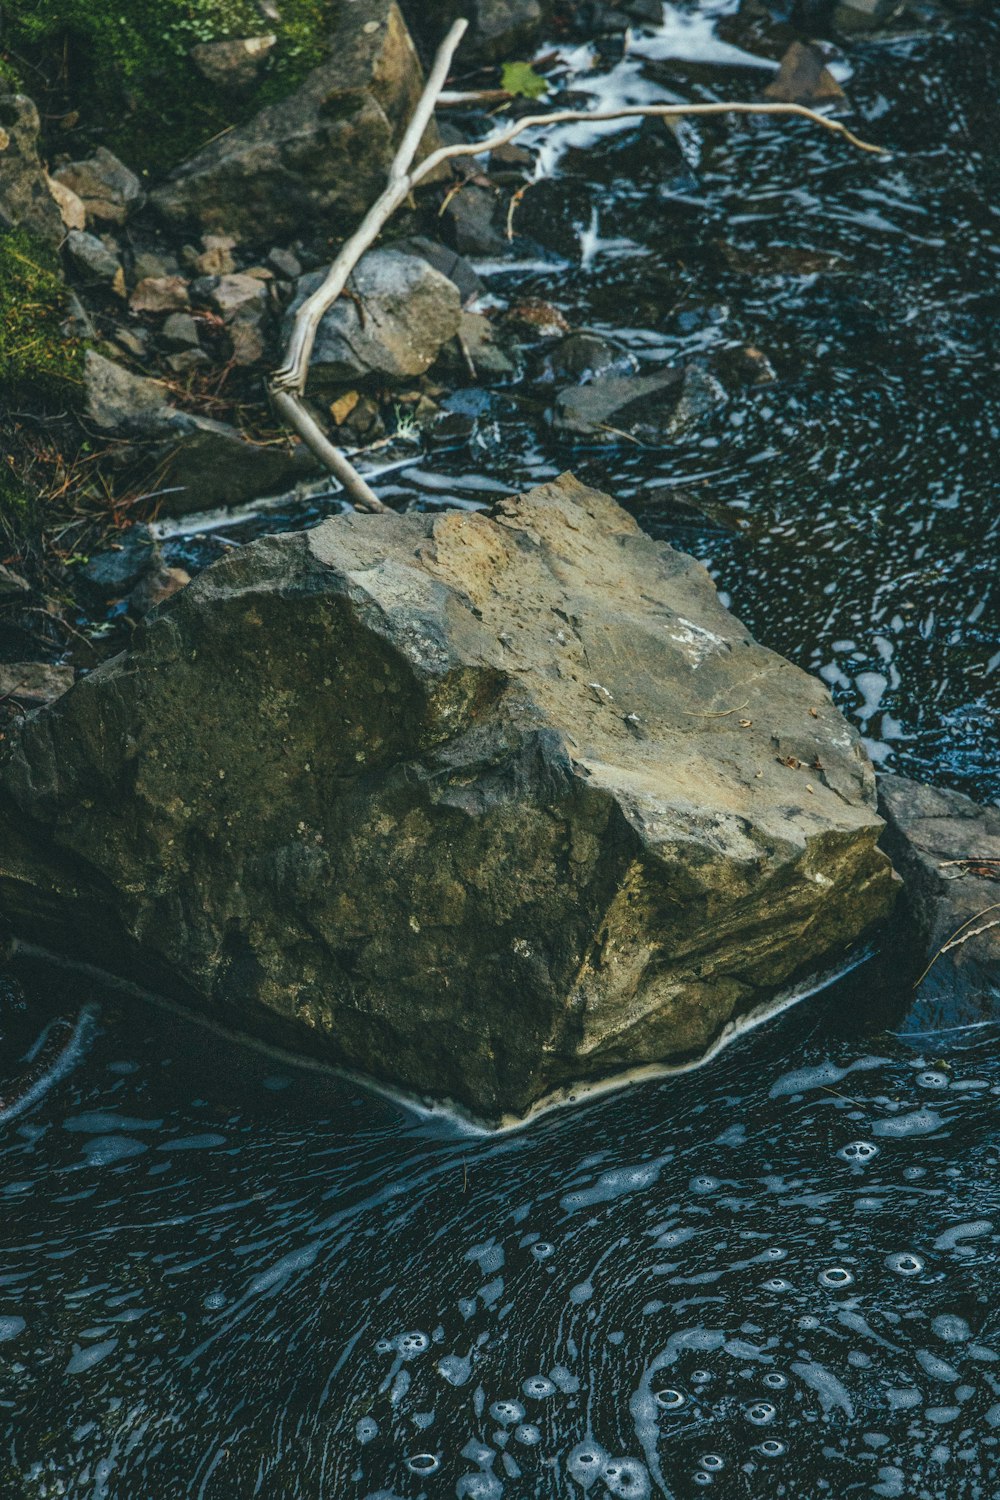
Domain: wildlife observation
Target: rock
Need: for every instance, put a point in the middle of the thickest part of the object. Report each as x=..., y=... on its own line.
x=320, y=156
x=91, y=258
x=480, y=352
x=115, y=572
x=206, y=465
x=498, y=29
x=216, y=257
x=25, y=199
x=157, y=295
x=700, y=393
x=234, y=295
x=467, y=811
x=639, y=406
x=284, y=264
x=410, y=311
x=233, y=64
x=536, y=318
x=108, y=189
x=180, y=331
x=448, y=262
x=471, y=222
x=151, y=265
x=120, y=403
x=157, y=587
x=582, y=355
x=12, y=585
x=34, y=683
x=863, y=15
x=803, y=78
x=71, y=208
x=947, y=849
x=186, y=360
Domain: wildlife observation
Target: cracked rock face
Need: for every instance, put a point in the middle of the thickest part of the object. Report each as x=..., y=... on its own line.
x=480, y=804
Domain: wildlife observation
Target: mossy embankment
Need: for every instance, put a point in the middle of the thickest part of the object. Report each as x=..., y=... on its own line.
x=123, y=73
x=41, y=372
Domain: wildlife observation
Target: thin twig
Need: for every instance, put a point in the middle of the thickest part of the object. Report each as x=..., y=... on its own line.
x=956, y=940
x=288, y=383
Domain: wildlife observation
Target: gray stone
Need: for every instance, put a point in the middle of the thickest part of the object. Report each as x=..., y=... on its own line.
x=462, y=805
x=115, y=572
x=638, y=406
x=448, y=262
x=498, y=29
x=92, y=259
x=471, y=222
x=947, y=849
x=25, y=199
x=233, y=295
x=409, y=311
x=284, y=264
x=108, y=189
x=804, y=78
x=34, y=683
x=481, y=352
x=319, y=157
x=235, y=63
x=157, y=295
x=582, y=355
x=180, y=331
x=123, y=404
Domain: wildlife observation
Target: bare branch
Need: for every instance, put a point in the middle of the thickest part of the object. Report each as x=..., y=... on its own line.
x=288, y=383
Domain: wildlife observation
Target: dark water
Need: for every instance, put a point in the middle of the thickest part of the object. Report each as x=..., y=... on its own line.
x=222, y=1276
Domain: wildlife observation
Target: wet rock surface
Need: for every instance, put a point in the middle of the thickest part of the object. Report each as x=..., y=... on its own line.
x=484, y=804
x=947, y=849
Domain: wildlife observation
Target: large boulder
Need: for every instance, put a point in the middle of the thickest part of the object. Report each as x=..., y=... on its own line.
x=481, y=804
x=947, y=849
x=399, y=313
x=318, y=159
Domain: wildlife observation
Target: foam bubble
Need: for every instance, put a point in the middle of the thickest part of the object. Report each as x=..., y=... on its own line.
x=366, y=1428
x=669, y=1399
x=507, y=1412
x=904, y=1263
x=586, y=1463
x=836, y=1277
x=528, y=1434
x=858, y=1151
x=771, y=1448
x=423, y=1463
x=760, y=1413
x=538, y=1386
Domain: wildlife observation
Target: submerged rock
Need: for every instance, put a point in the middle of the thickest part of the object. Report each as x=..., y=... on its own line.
x=318, y=157
x=482, y=804
x=947, y=850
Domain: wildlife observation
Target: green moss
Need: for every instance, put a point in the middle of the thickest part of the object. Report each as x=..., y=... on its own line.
x=39, y=364
x=41, y=369
x=128, y=64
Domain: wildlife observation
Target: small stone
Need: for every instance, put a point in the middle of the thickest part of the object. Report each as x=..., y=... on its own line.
x=582, y=355
x=157, y=587
x=803, y=78
x=187, y=360
x=341, y=409
x=118, y=402
x=114, y=572
x=247, y=345
x=132, y=340
x=70, y=205
x=536, y=317
x=471, y=222
x=284, y=264
x=448, y=262
x=233, y=64
x=91, y=258
x=109, y=190
x=148, y=264
x=232, y=294
x=34, y=683
x=480, y=352
x=180, y=331
x=160, y=294
x=216, y=257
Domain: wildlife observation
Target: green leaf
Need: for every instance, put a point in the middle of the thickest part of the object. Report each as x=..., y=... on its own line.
x=521, y=79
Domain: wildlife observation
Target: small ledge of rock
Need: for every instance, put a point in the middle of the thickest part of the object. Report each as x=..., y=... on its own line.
x=234, y=64
x=947, y=849
x=485, y=804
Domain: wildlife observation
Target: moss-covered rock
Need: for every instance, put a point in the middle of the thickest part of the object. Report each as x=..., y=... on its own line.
x=129, y=71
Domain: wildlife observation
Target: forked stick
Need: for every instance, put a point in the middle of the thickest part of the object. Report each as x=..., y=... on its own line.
x=288, y=383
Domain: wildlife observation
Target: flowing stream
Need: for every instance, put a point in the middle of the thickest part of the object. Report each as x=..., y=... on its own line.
x=224, y=1275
